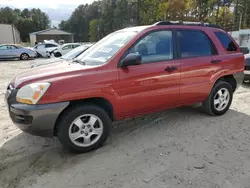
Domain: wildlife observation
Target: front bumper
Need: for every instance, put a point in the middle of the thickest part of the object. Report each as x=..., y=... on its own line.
x=37, y=120
x=247, y=72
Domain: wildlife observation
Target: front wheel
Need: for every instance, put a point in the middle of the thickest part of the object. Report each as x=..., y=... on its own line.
x=83, y=128
x=219, y=100
x=57, y=54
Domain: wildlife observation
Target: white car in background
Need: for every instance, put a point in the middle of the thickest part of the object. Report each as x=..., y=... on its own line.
x=65, y=48
x=44, y=49
x=69, y=56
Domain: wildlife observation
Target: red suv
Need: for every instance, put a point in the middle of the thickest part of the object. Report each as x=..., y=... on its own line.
x=130, y=72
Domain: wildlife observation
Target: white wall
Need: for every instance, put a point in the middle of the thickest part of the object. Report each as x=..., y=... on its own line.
x=9, y=34
x=32, y=39
x=16, y=35
x=242, y=37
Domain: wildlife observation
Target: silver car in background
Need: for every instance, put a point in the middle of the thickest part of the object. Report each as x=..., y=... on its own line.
x=9, y=51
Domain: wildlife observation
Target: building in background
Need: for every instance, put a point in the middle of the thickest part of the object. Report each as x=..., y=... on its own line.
x=51, y=34
x=9, y=34
x=242, y=37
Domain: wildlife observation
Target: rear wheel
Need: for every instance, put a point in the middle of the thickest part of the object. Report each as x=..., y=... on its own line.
x=24, y=56
x=83, y=128
x=219, y=100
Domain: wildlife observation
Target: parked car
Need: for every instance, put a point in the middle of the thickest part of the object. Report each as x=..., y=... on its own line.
x=244, y=49
x=44, y=49
x=247, y=68
x=68, y=56
x=65, y=48
x=130, y=72
x=9, y=51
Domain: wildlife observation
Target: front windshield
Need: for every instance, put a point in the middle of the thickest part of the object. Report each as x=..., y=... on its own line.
x=106, y=48
x=74, y=53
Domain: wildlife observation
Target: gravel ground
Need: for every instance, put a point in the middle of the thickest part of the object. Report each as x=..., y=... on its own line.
x=178, y=148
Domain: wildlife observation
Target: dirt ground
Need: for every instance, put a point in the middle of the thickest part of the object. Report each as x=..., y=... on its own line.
x=178, y=148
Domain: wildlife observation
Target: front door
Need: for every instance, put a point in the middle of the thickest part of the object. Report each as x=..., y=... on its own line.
x=4, y=52
x=154, y=84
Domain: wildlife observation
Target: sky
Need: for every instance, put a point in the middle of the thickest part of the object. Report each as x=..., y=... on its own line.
x=56, y=9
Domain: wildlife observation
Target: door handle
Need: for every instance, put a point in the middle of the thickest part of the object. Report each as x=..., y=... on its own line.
x=171, y=69
x=215, y=61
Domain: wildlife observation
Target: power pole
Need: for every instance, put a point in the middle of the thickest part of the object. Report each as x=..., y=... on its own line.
x=236, y=14
x=240, y=20
x=138, y=18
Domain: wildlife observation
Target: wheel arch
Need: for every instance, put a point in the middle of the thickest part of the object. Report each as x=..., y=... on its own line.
x=98, y=101
x=229, y=79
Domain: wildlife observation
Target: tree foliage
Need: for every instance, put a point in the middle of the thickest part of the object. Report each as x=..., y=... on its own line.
x=25, y=20
x=93, y=21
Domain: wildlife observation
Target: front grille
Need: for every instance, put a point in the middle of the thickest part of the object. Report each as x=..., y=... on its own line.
x=21, y=119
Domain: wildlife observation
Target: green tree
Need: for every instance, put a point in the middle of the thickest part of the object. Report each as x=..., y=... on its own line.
x=26, y=21
x=93, y=30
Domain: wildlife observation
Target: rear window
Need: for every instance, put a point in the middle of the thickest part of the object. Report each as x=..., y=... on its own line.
x=226, y=41
x=50, y=45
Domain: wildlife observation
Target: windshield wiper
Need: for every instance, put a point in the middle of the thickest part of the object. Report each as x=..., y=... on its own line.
x=78, y=61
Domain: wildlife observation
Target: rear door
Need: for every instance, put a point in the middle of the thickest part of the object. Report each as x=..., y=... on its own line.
x=196, y=52
x=14, y=51
x=153, y=85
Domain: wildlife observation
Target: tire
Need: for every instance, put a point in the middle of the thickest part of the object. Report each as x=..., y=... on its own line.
x=57, y=54
x=212, y=104
x=70, y=127
x=24, y=56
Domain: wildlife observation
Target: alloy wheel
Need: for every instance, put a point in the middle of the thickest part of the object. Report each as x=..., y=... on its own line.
x=221, y=99
x=86, y=130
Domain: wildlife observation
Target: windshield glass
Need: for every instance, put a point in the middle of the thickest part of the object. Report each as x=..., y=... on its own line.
x=74, y=53
x=103, y=50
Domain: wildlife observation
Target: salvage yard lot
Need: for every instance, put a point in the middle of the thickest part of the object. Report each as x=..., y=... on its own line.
x=178, y=148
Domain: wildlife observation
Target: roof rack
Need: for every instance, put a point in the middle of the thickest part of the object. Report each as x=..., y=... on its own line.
x=187, y=23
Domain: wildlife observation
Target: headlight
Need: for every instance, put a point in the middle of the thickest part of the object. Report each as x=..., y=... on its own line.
x=31, y=94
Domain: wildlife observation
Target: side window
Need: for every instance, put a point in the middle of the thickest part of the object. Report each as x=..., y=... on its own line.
x=155, y=47
x=193, y=43
x=226, y=41
x=76, y=45
x=3, y=48
x=49, y=45
x=67, y=47
x=13, y=47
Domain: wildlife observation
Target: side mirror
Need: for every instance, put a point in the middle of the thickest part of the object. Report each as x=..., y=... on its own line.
x=131, y=59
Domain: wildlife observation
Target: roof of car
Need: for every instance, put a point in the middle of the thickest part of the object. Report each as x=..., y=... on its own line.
x=10, y=44
x=136, y=29
x=172, y=23
x=70, y=44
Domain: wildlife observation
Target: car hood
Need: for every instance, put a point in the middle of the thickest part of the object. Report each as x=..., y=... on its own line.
x=45, y=62
x=49, y=72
